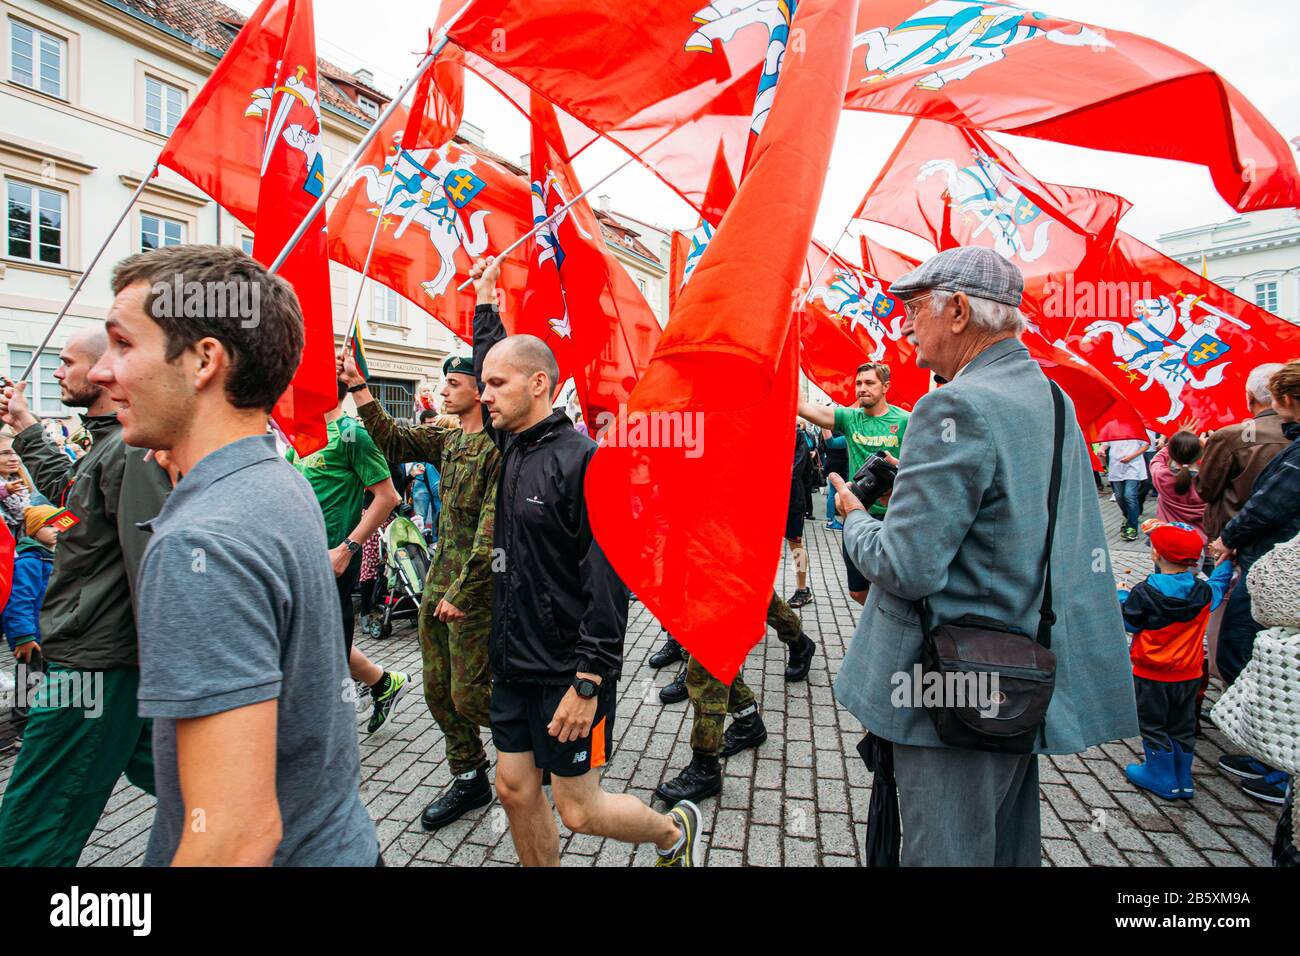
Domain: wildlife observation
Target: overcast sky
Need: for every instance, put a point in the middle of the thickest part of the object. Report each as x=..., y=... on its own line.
x=1251, y=43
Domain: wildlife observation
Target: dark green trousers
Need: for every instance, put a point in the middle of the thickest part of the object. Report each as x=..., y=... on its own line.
x=74, y=749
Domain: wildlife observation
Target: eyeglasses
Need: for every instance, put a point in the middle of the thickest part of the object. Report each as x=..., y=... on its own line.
x=912, y=306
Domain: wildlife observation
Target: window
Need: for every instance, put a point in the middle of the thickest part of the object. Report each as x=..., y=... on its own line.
x=394, y=396
x=640, y=284
x=45, y=399
x=368, y=106
x=1266, y=295
x=158, y=233
x=34, y=223
x=36, y=58
x=246, y=243
x=163, y=105
x=388, y=306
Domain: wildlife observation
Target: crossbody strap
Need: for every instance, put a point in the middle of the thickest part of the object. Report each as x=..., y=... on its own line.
x=1046, y=616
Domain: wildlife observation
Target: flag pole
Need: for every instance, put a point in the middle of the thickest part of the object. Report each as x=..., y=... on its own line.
x=85, y=273
x=818, y=274
x=560, y=211
x=352, y=160
x=365, y=268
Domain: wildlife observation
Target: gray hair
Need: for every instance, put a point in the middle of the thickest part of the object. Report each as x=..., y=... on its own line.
x=1257, y=382
x=987, y=315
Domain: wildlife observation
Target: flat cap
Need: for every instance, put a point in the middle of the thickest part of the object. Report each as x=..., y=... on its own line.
x=970, y=269
x=458, y=363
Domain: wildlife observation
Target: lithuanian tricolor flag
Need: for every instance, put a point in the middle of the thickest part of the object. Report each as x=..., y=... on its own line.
x=359, y=353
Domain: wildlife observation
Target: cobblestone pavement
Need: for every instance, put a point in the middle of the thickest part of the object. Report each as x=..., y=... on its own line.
x=799, y=800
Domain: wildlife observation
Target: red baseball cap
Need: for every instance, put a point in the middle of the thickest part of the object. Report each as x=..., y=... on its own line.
x=1176, y=543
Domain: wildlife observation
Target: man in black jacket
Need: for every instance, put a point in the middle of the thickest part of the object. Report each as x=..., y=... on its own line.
x=559, y=613
x=72, y=756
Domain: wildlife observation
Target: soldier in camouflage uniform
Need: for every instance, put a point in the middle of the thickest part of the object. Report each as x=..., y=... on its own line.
x=713, y=700
x=456, y=607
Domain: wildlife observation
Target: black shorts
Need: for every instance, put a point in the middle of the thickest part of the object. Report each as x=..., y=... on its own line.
x=520, y=712
x=855, y=579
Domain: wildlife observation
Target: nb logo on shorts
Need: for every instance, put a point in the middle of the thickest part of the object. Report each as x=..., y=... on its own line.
x=580, y=757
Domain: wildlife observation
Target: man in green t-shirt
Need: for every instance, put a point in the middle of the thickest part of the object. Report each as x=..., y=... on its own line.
x=873, y=426
x=340, y=474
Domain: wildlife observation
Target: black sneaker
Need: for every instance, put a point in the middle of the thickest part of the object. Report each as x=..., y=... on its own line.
x=801, y=656
x=467, y=792
x=744, y=732
x=800, y=597
x=670, y=653
x=1244, y=766
x=675, y=692
x=1270, y=789
x=701, y=778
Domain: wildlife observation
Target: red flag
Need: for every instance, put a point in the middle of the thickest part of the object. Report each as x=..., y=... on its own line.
x=1179, y=346
x=883, y=261
x=726, y=366
x=6, y=563
x=440, y=208
x=860, y=305
x=251, y=140
x=439, y=101
x=996, y=66
x=580, y=299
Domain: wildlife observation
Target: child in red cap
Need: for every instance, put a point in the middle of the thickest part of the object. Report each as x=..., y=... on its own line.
x=1167, y=615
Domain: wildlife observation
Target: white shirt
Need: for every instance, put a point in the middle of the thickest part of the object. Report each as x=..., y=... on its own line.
x=1135, y=470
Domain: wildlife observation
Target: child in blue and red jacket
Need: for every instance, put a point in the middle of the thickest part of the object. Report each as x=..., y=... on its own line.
x=1167, y=615
x=20, y=620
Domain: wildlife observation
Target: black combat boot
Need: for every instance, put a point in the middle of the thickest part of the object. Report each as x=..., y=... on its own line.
x=670, y=653
x=675, y=692
x=467, y=792
x=744, y=732
x=801, y=655
x=701, y=778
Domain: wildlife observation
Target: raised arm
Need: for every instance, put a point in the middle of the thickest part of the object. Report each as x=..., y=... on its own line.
x=488, y=329
x=823, y=416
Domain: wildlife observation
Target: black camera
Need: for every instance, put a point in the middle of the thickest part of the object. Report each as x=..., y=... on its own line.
x=874, y=479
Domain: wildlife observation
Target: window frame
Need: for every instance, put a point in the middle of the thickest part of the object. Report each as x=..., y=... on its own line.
x=162, y=221
x=39, y=29
x=164, y=88
x=39, y=404
x=1264, y=290
x=65, y=208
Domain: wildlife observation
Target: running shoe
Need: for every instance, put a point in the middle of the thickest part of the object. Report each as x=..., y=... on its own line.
x=395, y=684
x=687, y=817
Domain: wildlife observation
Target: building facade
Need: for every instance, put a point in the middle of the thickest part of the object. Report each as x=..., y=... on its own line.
x=89, y=92
x=1255, y=255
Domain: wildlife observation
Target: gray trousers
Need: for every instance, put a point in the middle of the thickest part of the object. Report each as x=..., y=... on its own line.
x=967, y=807
x=1167, y=711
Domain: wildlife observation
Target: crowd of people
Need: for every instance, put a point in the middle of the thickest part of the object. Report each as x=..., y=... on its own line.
x=190, y=576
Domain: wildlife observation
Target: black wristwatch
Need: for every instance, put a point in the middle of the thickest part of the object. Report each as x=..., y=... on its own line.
x=357, y=388
x=352, y=546
x=586, y=688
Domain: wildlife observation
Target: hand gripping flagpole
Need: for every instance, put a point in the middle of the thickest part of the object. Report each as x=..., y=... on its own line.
x=500, y=257
x=361, y=147
x=85, y=273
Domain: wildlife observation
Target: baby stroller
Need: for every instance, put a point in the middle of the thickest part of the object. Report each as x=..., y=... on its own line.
x=405, y=564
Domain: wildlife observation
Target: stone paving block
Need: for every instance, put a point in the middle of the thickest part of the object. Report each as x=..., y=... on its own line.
x=1064, y=853
x=1176, y=849
x=764, y=847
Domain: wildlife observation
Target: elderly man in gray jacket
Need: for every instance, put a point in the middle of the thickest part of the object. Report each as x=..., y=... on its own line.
x=966, y=528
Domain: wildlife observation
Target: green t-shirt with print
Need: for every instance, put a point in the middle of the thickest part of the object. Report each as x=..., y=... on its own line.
x=340, y=473
x=865, y=434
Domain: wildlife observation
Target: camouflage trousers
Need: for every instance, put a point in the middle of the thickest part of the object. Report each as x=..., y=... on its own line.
x=713, y=700
x=457, y=682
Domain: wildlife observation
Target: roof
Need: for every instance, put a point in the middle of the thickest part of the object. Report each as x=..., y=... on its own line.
x=622, y=235
x=214, y=25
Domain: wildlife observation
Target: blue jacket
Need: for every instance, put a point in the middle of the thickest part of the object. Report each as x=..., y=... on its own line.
x=21, y=618
x=966, y=527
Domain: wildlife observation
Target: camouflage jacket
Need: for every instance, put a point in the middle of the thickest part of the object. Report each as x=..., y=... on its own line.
x=461, y=570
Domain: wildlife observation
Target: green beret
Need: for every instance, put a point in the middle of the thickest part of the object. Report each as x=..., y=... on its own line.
x=458, y=363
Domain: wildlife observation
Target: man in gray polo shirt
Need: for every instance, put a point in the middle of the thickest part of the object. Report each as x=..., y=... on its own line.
x=255, y=744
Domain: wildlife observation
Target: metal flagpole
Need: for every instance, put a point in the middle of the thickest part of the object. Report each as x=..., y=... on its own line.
x=820, y=268
x=365, y=268
x=560, y=211
x=352, y=160
x=85, y=273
